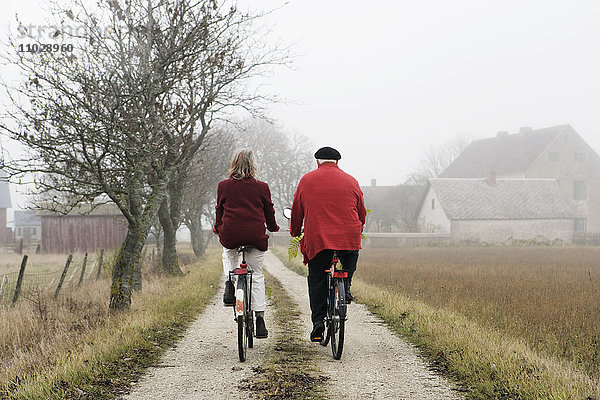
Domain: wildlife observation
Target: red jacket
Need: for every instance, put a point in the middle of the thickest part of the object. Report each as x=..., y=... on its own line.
x=243, y=208
x=330, y=203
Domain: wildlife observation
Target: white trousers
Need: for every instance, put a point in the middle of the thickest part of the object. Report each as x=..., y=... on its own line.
x=255, y=260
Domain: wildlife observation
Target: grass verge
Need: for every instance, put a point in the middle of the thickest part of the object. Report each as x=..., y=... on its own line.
x=489, y=364
x=291, y=372
x=295, y=264
x=102, y=362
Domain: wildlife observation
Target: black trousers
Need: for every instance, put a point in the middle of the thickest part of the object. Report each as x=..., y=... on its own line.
x=317, y=279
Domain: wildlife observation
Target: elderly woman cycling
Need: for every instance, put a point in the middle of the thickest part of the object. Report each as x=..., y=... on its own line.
x=244, y=208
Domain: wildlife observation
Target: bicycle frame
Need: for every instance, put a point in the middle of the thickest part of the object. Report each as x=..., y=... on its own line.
x=242, y=308
x=336, y=307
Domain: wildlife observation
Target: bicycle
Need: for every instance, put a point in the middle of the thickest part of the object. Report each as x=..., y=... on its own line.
x=335, y=319
x=242, y=306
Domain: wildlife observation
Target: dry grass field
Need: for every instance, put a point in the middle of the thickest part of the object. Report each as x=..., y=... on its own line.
x=506, y=322
x=547, y=296
x=53, y=348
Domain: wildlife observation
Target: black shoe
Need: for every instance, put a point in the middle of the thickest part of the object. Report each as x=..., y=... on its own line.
x=229, y=296
x=317, y=333
x=349, y=297
x=261, y=329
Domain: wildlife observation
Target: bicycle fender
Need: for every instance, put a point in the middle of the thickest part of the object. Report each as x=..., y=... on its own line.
x=239, y=302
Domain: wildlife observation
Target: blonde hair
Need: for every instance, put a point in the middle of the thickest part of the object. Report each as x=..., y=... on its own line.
x=243, y=164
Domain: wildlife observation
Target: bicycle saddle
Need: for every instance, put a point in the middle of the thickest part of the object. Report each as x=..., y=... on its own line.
x=244, y=248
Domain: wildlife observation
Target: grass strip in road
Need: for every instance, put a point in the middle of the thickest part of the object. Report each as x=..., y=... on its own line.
x=488, y=364
x=294, y=264
x=291, y=372
x=103, y=362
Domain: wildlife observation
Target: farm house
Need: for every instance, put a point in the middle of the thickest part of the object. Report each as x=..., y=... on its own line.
x=557, y=152
x=496, y=210
x=83, y=231
x=27, y=226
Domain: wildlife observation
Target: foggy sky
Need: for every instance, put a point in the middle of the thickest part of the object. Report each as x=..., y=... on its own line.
x=381, y=81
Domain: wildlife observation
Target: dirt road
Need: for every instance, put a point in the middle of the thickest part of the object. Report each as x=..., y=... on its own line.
x=376, y=364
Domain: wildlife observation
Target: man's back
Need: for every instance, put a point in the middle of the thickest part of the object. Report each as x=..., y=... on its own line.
x=331, y=204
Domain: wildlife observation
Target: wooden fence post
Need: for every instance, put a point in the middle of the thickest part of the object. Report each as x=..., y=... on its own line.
x=82, y=269
x=100, y=264
x=62, y=277
x=20, y=280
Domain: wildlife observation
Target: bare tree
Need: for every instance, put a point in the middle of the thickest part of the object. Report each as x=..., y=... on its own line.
x=437, y=157
x=218, y=80
x=283, y=158
x=119, y=121
x=208, y=167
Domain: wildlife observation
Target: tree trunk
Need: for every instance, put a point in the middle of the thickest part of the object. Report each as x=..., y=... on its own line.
x=120, y=292
x=170, y=219
x=170, y=262
x=138, y=229
x=136, y=279
x=197, y=238
x=157, y=233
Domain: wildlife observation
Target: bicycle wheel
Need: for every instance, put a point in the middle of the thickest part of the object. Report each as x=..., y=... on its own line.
x=330, y=302
x=249, y=317
x=241, y=319
x=338, y=319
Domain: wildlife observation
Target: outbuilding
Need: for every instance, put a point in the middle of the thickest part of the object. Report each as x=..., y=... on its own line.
x=83, y=230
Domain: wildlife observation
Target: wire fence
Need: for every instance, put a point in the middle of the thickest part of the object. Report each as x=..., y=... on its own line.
x=72, y=274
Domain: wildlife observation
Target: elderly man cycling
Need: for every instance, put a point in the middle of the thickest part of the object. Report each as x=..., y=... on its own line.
x=330, y=204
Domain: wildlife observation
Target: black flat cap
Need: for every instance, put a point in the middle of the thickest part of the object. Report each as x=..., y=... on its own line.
x=327, y=153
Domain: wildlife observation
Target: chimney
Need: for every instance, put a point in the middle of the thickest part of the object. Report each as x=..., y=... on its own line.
x=373, y=182
x=491, y=178
x=525, y=130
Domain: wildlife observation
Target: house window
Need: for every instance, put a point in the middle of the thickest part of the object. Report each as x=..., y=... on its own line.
x=433, y=204
x=579, y=225
x=34, y=231
x=19, y=231
x=579, y=157
x=579, y=190
x=553, y=156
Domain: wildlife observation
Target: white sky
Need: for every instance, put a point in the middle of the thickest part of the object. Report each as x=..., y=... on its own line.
x=379, y=81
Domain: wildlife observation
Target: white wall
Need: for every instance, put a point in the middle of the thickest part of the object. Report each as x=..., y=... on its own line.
x=494, y=231
x=433, y=220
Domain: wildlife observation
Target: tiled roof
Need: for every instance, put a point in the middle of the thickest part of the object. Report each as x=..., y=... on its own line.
x=390, y=194
x=506, y=199
x=386, y=200
x=503, y=154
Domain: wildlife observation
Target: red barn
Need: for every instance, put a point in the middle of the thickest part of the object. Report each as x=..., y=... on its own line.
x=83, y=231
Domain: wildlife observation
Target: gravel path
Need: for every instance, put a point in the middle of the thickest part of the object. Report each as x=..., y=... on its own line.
x=204, y=364
x=376, y=364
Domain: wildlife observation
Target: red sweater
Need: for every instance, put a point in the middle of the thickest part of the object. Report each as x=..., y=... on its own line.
x=243, y=208
x=330, y=203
